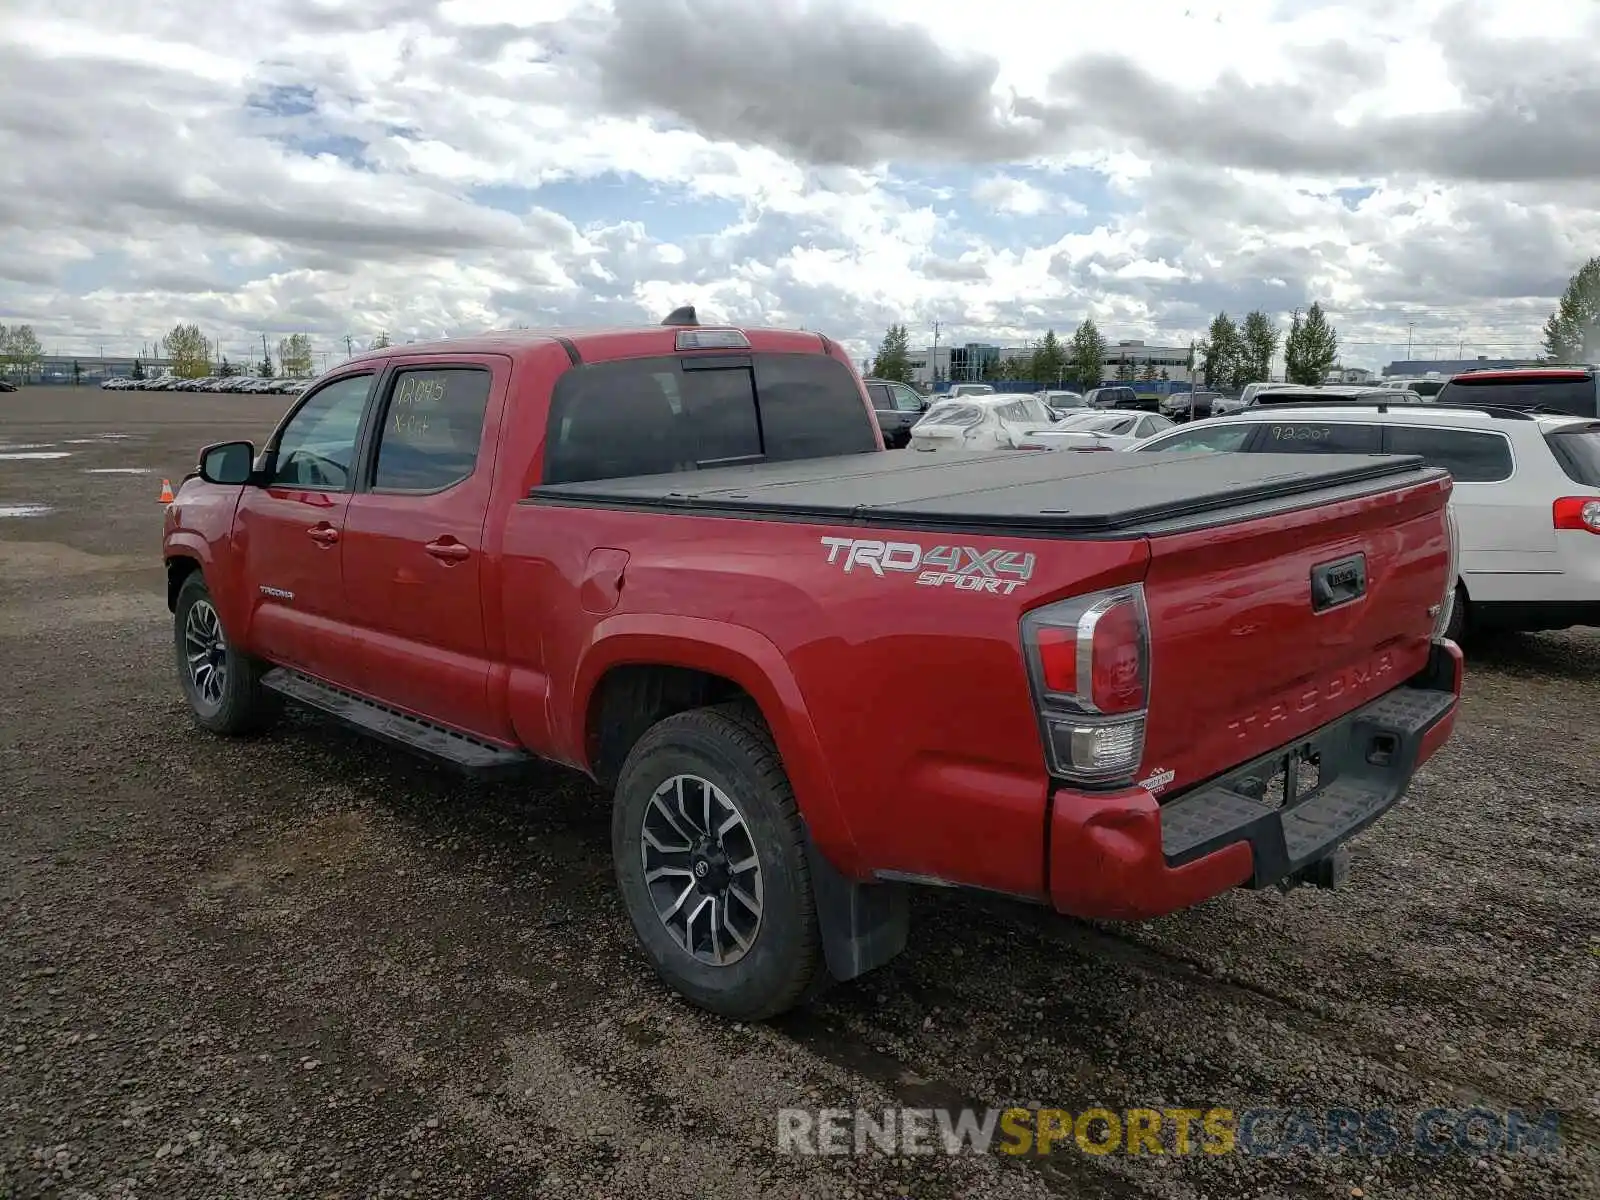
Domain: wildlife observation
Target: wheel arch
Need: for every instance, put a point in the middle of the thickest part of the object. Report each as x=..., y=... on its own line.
x=639, y=670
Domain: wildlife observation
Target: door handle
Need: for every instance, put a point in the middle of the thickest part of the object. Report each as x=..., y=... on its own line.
x=447, y=551
x=327, y=535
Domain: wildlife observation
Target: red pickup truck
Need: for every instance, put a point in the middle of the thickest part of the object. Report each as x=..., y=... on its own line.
x=811, y=672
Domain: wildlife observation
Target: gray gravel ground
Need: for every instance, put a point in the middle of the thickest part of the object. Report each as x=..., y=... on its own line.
x=303, y=965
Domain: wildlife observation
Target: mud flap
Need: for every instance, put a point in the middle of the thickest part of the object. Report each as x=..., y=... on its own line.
x=863, y=925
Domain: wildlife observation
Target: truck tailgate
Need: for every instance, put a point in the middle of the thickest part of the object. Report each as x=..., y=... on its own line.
x=1265, y=628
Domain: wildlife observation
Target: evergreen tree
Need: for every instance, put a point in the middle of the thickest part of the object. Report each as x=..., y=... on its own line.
x=1221, y=353
x=1049, y=360
x=1260, y=335
x=1086, y=356
x=1311, y=348
x=1572, y=334
x=894, y=356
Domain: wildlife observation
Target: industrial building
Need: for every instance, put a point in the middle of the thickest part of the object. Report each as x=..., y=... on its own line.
x=969, y=362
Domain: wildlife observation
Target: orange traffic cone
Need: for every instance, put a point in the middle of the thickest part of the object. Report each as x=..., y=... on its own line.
x=166, y=491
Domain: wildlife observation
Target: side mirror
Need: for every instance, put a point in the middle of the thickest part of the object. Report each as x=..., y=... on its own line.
x=227, y=462
x=924, y=405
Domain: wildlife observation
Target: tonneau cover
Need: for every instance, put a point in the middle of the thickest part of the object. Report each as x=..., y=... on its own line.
x=1049, y=492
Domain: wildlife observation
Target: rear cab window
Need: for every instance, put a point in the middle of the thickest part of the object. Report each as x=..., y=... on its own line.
x=1564, y=391
x=654, y=416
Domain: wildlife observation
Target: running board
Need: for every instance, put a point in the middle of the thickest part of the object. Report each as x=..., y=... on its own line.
x=391, y=725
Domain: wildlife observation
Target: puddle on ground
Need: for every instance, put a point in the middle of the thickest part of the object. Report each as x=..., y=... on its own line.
x=119, y=470
x=24, y=510
x=96, y=439
x=8, y=446
x=9, y=455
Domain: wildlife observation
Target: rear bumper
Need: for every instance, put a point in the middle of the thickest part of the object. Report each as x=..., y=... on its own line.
x=1124, y=856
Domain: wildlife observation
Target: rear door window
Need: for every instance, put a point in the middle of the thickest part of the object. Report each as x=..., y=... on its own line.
x=431, y=428
x=907, y=399
x=1212, y=439
x=1470, y=457
x=1320, y=437
x=651, y=416
x=880, y=396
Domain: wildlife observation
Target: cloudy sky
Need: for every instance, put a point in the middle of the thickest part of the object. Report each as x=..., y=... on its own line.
x=428, y=168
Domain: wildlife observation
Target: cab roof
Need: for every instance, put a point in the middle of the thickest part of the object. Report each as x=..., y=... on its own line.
x=605, y=343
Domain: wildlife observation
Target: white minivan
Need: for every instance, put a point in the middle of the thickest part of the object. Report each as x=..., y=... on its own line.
x=1526, y=495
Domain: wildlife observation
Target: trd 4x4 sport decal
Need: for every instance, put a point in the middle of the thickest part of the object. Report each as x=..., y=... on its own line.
x=998, y=572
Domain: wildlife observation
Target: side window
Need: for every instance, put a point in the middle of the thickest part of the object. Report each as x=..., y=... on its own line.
x=1312, y=437
x=1214, y=439
x=318, y=446
x=431, y=428
x=1469, y=457
x=907, y=400
x=880, y=396
x=810, y=408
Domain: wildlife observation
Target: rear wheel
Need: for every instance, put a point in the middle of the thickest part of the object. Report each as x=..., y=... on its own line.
x=711, y=864
x=222, y=685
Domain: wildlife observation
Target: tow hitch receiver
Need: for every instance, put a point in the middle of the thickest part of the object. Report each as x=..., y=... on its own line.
x=1330, y=871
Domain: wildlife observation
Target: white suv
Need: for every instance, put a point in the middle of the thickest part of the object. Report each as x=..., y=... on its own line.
x=1526, y=497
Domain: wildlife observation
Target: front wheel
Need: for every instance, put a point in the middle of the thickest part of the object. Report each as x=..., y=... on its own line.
x=222, y=684
x=710, y=860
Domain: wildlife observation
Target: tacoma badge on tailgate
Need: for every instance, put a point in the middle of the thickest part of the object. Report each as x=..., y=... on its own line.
x=962, y=567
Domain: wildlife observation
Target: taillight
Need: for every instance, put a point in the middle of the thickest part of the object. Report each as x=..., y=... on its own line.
x=1577, y=512
x=1089, y=667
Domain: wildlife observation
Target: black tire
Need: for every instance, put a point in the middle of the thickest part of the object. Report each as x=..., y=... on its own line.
x=1459, y=622
x=236, y=703
x=729, y=747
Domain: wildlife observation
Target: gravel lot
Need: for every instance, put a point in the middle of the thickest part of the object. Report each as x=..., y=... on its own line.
x=305, y=965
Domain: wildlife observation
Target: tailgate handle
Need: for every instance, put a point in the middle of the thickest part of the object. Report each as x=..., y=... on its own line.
x=1339, y=582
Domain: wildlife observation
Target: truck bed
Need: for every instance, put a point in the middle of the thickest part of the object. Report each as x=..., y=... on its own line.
x=1027, y=492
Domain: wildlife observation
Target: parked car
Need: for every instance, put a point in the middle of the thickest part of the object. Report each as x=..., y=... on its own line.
x=677, y=559
x=1426, y=386
x=898, y=407
x=992, y=422
x=6, y=386
x=1112, y=397
x=1549, y=389
x=1327, y=393
x=958, y=390
x=1096, y=430
x=1062, y=402
x=1189, y=406
x=1526, y=498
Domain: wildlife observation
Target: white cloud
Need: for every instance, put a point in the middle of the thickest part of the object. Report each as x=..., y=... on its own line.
x=429, y=168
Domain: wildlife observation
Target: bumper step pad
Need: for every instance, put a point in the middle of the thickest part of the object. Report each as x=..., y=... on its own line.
x=1365, y=760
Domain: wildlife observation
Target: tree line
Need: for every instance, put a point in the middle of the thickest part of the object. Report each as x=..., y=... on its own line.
x=190, y=353
x=1231, y=355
